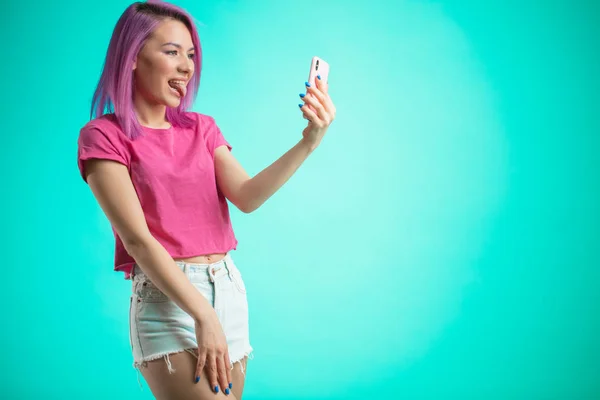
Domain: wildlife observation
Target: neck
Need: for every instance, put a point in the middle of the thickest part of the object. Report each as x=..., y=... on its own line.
x=150, y=115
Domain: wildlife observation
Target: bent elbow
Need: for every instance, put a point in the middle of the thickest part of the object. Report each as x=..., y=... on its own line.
x=246, y=208
x=134, y=246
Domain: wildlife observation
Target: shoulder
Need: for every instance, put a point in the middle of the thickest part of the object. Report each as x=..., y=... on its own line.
x=205, y=125
x=103, y=122
x=202, y=120
x=103, y=129
x=106, y=124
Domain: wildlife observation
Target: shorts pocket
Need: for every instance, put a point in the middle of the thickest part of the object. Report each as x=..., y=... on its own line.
x=236, y=276
x=147, y=292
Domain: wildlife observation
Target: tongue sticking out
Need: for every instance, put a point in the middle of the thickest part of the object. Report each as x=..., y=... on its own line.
x=180, y=88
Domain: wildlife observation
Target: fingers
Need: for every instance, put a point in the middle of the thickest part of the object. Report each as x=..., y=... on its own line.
x=323, y=88
x=200, y=365
x=218, y=371
x=229, y=374
x=213, y=373
x=222, y=375
x=320, y=90
x=309, y=114
x=318, y=96
x=328, y=104
x=318, y=109
x=321, y=84
x=320, y=102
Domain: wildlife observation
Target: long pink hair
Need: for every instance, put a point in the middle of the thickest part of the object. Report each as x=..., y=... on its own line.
x=114, y=92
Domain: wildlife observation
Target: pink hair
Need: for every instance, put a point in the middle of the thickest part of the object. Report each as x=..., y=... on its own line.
x=114, y=92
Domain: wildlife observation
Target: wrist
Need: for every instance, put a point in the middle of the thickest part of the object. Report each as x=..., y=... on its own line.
x=309, y=144
x=203, y=314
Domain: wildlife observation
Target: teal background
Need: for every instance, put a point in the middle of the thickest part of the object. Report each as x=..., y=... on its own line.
x=441, y=243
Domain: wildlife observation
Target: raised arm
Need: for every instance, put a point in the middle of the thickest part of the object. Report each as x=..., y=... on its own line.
x=247, y=193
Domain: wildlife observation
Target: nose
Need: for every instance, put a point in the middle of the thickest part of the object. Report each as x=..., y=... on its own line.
x=186, y=65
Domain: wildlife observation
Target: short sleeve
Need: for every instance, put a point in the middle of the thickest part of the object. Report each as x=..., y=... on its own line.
x=214, y=136
x=100, y=143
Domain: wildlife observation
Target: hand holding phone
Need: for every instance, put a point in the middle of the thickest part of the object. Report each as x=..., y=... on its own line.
x=318, y=67
x=317, y=95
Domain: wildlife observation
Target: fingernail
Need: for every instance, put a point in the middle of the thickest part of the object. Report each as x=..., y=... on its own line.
x=307, y=84
x=216, y=389
x=230, y=385
x=197, y=379
x=319, y=76
x=302, y=95
x=300, y=105
x=226, y=391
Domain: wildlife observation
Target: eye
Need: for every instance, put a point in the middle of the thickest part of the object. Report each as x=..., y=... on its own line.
x=191, y=56
x=171, y=52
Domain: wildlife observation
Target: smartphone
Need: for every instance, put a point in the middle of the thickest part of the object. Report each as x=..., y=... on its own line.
x=320, y=67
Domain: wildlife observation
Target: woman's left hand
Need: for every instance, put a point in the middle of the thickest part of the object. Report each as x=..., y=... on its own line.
x=323, y=114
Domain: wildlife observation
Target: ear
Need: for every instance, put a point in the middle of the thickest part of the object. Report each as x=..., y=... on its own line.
x=135, y=60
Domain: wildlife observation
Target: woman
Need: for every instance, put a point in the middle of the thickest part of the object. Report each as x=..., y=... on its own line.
x=162, y=175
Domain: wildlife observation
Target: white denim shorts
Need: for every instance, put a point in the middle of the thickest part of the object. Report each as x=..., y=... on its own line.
x=158, y=327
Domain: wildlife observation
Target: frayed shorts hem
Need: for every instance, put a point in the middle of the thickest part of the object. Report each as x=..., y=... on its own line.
x=138, y=365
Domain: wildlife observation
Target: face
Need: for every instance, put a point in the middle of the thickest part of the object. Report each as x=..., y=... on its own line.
x=165, y=65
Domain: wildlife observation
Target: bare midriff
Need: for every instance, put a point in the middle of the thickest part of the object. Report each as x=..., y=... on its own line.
x=204, y=259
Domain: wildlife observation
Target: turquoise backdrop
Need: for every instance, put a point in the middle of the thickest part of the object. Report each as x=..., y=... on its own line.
x=441, y=243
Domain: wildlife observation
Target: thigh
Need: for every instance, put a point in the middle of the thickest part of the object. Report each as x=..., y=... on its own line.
x=239, y=378
x=180, y=385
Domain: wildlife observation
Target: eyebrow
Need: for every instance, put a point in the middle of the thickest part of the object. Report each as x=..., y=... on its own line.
x=176, y=45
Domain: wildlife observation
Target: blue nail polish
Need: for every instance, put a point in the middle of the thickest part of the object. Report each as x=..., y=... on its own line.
x=319, y=76
x=230, y=385
x=307, y=84
x=226, y=391
x=197, y=379
x=216, y=389
x=302, y=95
x=300, y=105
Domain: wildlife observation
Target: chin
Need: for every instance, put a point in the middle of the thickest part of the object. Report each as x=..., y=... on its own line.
x=173, y=102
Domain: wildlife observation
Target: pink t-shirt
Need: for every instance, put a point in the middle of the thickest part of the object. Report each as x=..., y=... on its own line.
x=173, y=173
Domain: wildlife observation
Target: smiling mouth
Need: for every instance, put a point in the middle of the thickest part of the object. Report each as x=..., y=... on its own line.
x=177, y=87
